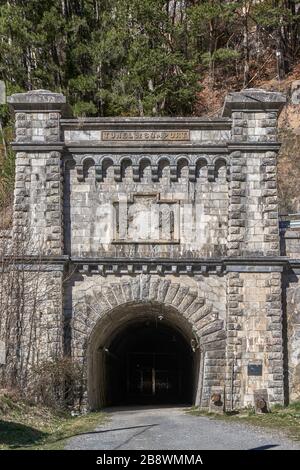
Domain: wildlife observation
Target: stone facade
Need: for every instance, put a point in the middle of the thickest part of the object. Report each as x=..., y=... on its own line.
x=170, y=218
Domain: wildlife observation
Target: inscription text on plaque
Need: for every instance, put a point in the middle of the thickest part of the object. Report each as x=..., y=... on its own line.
x=146, y=135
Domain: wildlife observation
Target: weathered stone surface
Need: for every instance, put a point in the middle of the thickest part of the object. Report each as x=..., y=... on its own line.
x=169, y=220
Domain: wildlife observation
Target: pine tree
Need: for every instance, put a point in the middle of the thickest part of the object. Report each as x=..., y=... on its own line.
x=133, y=57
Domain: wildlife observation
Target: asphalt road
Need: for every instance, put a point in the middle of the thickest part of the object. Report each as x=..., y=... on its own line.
x=167, y=428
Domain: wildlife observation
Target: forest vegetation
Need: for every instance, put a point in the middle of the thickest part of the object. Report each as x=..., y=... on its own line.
x=149, y=58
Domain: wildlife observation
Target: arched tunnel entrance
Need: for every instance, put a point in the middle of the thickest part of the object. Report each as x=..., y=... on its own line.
x=147, y=363
x=147, y=354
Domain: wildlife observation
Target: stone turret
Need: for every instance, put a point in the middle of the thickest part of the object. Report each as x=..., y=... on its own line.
x=38, y=187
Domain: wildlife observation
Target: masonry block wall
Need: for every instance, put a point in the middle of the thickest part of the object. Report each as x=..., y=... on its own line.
x=290, y=247
x=177, y=212
x=31, y=321
x=38, y=187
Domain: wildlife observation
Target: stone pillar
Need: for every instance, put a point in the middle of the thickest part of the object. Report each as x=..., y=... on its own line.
x=38, y=225
x=254, y=311
x=253, y=206
x=235, y=313
x=38, y=187
x=237, y=204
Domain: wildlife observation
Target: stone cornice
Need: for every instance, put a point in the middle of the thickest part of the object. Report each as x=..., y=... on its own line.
x=161, y=266
x=294, y=262
x=253, y=146
x=216, y=147
x=253, y=99
x=39, y=101
x=37, y=146
x=183, y=266
x=32, y=259
x=146, y=148
x=263, y=260
x=137, y=123
x=86, y=147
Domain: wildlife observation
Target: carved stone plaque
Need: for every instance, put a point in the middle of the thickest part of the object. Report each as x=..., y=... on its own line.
x=146, y=219
x=145, y=135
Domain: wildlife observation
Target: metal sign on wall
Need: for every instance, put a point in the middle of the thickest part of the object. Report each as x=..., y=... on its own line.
x=255, y=370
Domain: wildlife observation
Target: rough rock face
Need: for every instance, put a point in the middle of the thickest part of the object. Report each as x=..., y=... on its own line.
x=142, y=218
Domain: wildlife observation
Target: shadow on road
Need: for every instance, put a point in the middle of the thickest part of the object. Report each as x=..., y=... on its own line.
x=145, y=427
x=265, y=447
x=117, y=409
x=116, y=429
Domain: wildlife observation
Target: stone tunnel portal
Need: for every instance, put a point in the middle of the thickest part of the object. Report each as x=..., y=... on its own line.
x=149, y=359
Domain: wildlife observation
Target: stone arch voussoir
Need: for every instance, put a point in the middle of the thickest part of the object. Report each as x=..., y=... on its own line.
x=188, y=301
x=101, y=306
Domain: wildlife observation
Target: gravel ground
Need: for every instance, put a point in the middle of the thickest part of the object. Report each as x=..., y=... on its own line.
x=167, y=428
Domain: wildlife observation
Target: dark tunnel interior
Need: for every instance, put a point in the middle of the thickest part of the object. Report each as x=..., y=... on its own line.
x=149, y=363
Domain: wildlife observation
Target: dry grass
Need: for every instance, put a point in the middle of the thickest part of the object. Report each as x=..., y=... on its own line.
x=34, y=427
x=284, y=419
